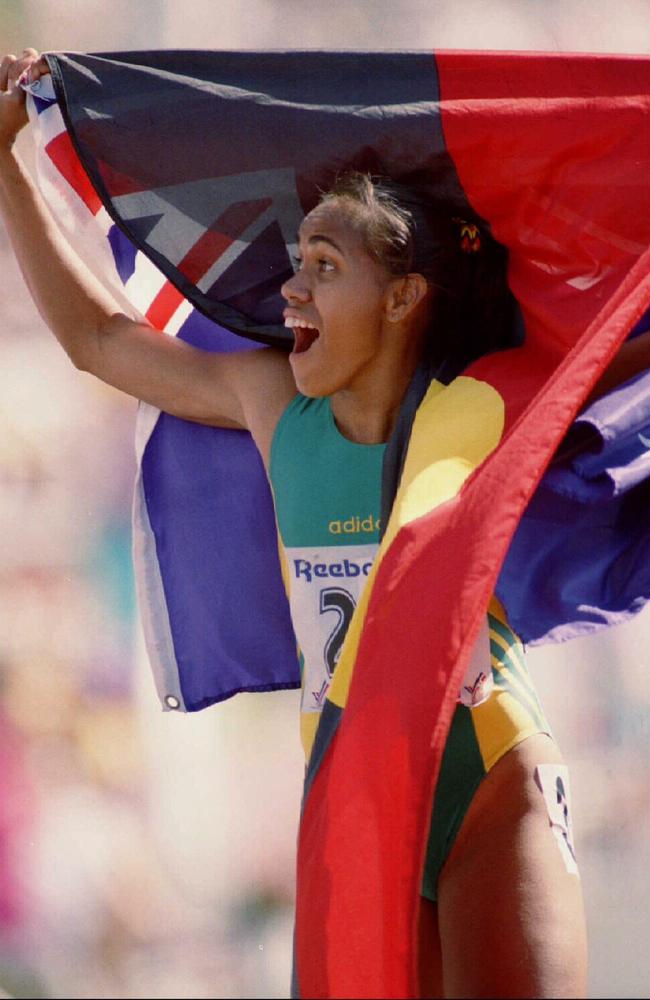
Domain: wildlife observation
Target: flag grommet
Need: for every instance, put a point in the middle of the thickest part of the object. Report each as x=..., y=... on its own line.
x=171, y=701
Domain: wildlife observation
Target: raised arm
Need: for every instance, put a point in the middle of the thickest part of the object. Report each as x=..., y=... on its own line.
x=247, y=390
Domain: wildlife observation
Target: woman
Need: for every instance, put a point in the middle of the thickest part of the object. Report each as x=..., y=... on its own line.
x=373, y=282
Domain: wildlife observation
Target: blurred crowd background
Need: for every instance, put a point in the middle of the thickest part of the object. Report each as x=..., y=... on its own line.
x=151, y=855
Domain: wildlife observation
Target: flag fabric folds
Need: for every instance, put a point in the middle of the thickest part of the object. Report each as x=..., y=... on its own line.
x=580, y=558
x=196, y=169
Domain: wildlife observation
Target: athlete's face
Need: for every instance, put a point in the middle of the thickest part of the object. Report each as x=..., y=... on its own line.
x=335, y=303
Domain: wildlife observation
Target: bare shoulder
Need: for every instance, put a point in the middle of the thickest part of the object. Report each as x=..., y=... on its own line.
x=265, y=386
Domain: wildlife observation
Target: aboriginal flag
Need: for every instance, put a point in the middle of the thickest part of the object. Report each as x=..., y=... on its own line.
x=196, y=168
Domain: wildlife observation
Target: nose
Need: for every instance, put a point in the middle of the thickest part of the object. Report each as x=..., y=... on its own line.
x=296, y=288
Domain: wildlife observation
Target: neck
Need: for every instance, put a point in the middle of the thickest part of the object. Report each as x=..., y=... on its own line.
x=366, y=412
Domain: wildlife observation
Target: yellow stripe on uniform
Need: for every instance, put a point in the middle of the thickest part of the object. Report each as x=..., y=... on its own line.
x=520, y=692
x=284, y=571
x=511, y=652
x=308, y=720
x=513, y=649
x=500, y=723
x=455, y=428
x=498, y=623
x=308, y=726
x=502, y=655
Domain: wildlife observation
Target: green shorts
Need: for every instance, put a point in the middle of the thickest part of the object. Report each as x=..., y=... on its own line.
x=477, y=739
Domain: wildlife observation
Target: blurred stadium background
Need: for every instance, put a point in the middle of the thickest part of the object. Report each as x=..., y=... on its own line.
x=151, y=855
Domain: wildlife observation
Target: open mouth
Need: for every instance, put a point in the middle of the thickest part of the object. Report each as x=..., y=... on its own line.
x=304, y=337
x=304, y=334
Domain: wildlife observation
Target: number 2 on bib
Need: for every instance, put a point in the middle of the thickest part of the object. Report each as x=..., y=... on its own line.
x=339, y=600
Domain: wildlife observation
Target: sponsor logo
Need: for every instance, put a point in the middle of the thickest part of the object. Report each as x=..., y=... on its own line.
x=478, y=692
x=478, y=681
x=320, y=570
x=319, y=696
x=354, y=525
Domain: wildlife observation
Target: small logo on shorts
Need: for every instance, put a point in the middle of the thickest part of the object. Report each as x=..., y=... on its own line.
x=478, y=692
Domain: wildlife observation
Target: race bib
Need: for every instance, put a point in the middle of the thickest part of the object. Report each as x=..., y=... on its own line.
x=325, y=585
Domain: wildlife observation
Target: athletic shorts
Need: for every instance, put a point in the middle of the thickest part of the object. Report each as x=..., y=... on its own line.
x=478, y=738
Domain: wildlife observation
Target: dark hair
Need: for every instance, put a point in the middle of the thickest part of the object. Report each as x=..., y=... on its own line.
x=474, y=311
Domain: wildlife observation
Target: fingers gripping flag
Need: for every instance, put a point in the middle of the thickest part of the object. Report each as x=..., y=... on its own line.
x=195, y=169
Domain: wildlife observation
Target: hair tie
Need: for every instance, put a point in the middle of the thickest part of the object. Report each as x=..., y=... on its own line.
x=470, y=237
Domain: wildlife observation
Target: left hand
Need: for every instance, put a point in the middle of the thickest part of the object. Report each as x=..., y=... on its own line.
x=13, y=71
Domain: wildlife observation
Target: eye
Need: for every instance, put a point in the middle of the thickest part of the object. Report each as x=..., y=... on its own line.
x=324, y=264
x=296, y=260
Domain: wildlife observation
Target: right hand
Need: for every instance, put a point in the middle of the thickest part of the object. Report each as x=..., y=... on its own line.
x=13, y=115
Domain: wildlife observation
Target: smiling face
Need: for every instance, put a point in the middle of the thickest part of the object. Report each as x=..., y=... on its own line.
x=336, y=302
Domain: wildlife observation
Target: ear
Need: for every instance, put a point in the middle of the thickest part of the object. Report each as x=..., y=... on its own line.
x=403, y=296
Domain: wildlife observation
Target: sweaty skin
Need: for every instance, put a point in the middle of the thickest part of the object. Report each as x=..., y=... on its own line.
x=509, y=921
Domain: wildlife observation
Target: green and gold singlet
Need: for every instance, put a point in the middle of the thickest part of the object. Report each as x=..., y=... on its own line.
x=327, y=493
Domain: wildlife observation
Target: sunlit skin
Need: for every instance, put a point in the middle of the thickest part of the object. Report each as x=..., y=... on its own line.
x=509, y=918
x=370, y=324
